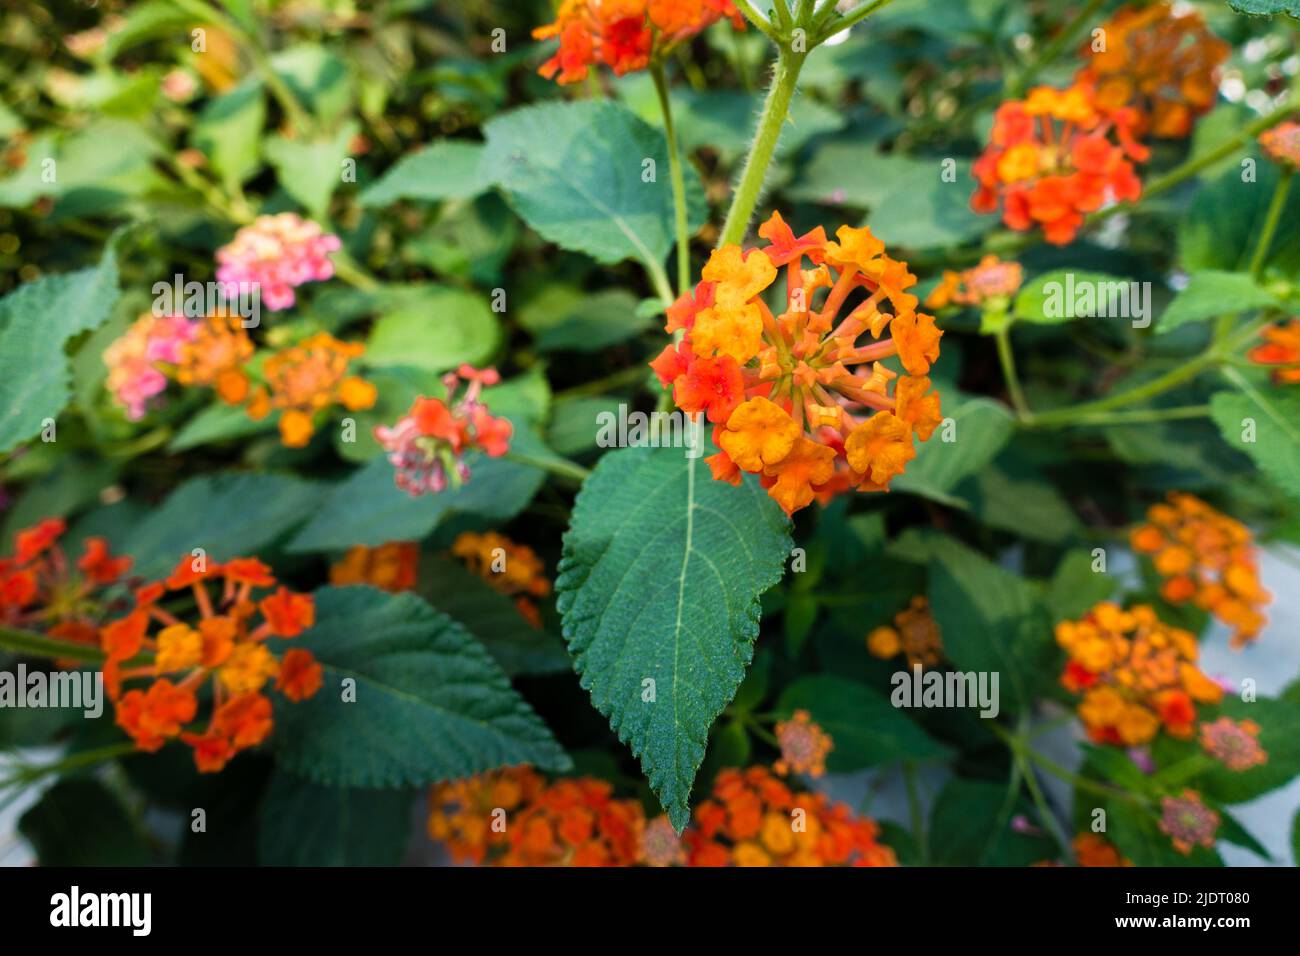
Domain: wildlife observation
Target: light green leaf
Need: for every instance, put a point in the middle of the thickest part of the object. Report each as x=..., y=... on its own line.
x=219, y=422
x=228, y=130
x=576, y=172
x=1213, y=293
x=228, y=515
x=435, y=328
x=865, y=728
x=1279, y=736
x=922, y=209
x=982, y=427
x=305, y=824
x=1265, y=424
x=430, y=703
x=660, y=579
x=1069, y=294
x=447, y=169
x=311, y=171
x=36, y=322
x=595, y=320
x=1075, y=587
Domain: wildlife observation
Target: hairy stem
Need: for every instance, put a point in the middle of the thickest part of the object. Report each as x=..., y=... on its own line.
x=678, y=180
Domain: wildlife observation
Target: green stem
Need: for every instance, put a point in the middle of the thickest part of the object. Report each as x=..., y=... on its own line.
x=74, y=761
x=561, y=467
x=1151, y=389
x=678, y=181
x=350, y=271
x=20, y=641
x=1139, y=416
x=773, y=117
x=1008, y=362
x=842, y=23
x=1271, y=220
x=758, y=20
x=1045, y=813
x=635, y=375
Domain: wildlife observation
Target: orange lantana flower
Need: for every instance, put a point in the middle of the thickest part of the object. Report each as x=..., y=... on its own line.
x=1281, y=348
x=225, y=644
x=513, y=569
x=1051, y=158
x=306, y=378
x=390, y=567
x=625, y=35
x=1207, y=558
x=804, y=745
x=914, y=634
x=1161, y=61
x=993, y=279
x=1136, y=674
x=1282, y=143
x=781, y=386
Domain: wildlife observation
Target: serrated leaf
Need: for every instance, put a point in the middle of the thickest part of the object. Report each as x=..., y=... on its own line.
x=368, y=508
x=574, y=172
x=1266, y=8
x=430, y=705
x=866, y=729
x=990, y=621
x=36, y=322
x=304, y=824
x=228, y=515
x=1213, y=293
x=447, y=169
x=1279, y=736
x=660, y=580
x=1275, y=414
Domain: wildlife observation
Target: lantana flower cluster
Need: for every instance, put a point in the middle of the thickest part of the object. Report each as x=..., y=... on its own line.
x=1094, y=850
x=1162, y=61
x=217, y=352
x=513, y=569
x=625, y=35
x=1282, y=144
x=1206, y=558
x=41, y=588
x=570, y=822
x=804, y=746
x=277, y=254
x=1054, y=156
x=914, y=634
x=428, y=445
x=1188, y=822
x=1136, y=674
x=753, y=818
x=1234, y=743
x=794, y=398
x=992, y=280
x=224, y=649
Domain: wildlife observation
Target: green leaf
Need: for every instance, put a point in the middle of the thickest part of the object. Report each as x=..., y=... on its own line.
x=1231, y=831
x=430, y=703
x=1213, y=293
x=1223, y=221
x=36, y=322
x=574, y=172
x=991, y=621
x=80, y=822
x=922, y=210
x=311, y=171
x=865, y=728
x=593, y=322
x=434, y=328
x=659, y=581
x=1272, y=418
x=1279, y=736
x=318, y=77
x=1076, y=588
x=1069, y=294
x=228, y=515
x=1136, y=832
x=368, y=508
x=576, y=422
x=228, y=131
x=981, y=428
x=219, y=422
x=447, y=169
x=1267, y=8
x=970, y=825
x=1011, y=494
x=492, y=617
x=305, y=824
